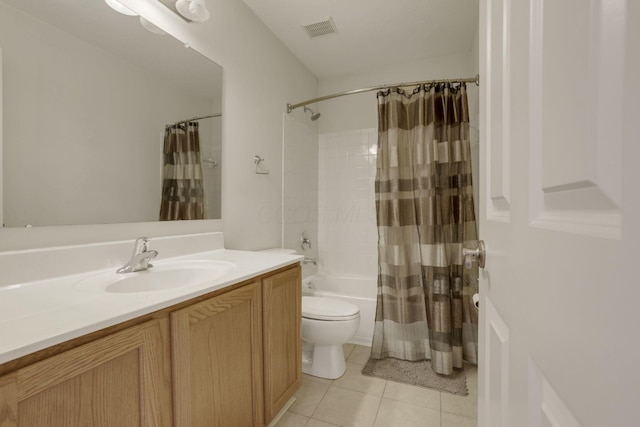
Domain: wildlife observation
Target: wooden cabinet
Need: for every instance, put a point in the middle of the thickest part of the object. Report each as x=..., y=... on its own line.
x=221, y=345
x=119, y=380
x=282, y=340
x=217, y=360
x=231, y=358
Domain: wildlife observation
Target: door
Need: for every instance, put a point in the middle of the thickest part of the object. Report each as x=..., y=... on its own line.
x=559, y=211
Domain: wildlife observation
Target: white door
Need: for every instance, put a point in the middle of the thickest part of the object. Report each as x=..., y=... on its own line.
x=560, y=213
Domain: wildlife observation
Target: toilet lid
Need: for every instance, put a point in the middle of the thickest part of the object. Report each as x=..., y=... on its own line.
x=327, y=309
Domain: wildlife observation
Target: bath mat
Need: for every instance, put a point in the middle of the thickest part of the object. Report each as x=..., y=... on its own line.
x=417, y=373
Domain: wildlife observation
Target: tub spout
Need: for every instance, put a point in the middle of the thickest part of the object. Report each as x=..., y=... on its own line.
x=308, y=260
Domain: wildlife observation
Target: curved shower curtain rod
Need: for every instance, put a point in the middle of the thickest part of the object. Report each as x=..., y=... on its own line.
x=194, y=119
x=291, y=107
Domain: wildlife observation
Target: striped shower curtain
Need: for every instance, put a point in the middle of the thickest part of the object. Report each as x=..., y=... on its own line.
x=425, y=211
x=182, y=174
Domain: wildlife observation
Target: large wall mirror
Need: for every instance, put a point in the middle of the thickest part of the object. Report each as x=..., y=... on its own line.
x=86, y=95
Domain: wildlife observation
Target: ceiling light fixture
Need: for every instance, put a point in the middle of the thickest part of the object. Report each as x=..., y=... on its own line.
x=194, y=10
x=120, y=8
x=150, y=26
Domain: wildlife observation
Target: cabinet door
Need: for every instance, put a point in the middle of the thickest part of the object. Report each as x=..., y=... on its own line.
x=119, y=380
x=217, y=355
x=282, y=341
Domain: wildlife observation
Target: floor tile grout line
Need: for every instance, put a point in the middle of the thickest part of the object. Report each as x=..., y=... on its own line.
x=320, y=401
x=412, y=403
x=355, y=391
x=415, y=405
x=359, y=391
x=308, y=421
x=384, y=389
x=375, y=420
x=458, y=414
x=381, y=397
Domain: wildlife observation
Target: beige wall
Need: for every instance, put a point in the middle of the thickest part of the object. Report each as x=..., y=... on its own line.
x=260, y=77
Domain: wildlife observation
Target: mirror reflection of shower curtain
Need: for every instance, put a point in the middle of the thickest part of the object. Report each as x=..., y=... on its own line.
x=182, y=174
x=425, y=211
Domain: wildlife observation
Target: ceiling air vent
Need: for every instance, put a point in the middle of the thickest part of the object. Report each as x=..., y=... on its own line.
x=321, y=27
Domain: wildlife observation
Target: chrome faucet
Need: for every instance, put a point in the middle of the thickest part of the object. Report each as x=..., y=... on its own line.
x=308, y=260
x=140, y=257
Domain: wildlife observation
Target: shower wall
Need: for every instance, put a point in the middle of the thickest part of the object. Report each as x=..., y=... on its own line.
x=300, y=187
x=347, y=234
x=343, y=183
x=348, y=137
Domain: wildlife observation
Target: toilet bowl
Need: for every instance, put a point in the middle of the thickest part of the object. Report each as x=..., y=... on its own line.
x=327, y=324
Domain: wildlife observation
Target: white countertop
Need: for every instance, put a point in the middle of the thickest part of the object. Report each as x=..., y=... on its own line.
x=37, y=315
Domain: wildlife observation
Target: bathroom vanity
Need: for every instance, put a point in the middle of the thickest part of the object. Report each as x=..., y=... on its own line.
x=227, y=353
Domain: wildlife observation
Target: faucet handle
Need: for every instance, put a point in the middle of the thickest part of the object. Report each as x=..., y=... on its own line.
x=140, y=245
x=305, y=242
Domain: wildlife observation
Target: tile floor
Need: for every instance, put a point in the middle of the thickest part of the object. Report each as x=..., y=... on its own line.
x=355, y=400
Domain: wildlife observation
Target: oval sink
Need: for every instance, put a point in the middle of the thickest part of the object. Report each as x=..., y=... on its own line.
x=160, y=277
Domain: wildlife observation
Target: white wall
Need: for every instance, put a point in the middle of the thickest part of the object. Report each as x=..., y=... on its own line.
x=300, y=188
x=65, y=175
x=348, y=140
x=260, y=77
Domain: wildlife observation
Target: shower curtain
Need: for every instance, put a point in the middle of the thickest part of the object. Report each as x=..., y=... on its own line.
x=182, y=174
x=425, y=211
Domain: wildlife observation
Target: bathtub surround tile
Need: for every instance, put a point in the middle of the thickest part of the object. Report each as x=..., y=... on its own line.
x=347, y=408
x=348, y=161
x=347, y=233
x=289, y=419
x=393, y=413
x=309, y=396
x=414, y=395
x=354, y=380
x=452, y=420
x=359, y=355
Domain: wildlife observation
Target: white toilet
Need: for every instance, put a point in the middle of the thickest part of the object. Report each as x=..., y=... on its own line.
x=327, y=324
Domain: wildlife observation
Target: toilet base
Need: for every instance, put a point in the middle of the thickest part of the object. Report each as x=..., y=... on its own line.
x=324, y=361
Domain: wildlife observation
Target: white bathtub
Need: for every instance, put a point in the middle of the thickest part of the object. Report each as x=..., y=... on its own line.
x=360, y=291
